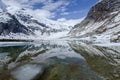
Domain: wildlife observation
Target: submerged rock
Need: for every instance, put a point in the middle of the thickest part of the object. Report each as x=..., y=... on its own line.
x=27, y=71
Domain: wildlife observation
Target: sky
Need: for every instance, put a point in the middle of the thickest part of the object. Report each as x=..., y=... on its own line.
x=58, y=10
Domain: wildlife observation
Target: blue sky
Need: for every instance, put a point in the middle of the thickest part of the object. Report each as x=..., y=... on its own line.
x=71, y=11
x=78, y=9
x=74, y=10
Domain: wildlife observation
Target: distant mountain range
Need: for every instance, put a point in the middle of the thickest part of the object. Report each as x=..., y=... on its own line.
x=22, y=24
x=101, y=23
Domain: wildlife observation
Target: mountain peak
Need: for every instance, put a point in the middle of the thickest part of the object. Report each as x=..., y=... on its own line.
x=102, y=8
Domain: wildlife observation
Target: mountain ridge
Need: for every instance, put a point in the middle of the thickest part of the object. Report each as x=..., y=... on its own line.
x=102, y=22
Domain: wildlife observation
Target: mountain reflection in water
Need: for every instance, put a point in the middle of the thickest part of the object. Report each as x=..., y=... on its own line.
x=59, y=60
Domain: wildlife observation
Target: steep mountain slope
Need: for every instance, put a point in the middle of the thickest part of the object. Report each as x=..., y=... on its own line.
x=9, y=25
x=102, y=22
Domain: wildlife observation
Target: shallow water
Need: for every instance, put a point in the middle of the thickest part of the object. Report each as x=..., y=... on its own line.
x=59, y=60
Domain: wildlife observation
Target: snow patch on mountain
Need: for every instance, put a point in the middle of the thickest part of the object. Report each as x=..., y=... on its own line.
x=4, y=17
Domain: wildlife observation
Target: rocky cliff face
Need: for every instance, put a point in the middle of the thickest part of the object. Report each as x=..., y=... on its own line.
x=102, y=21
x=12, y=26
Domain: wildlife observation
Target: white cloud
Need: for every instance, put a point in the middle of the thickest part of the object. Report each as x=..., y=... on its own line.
x=55, y=5
x=74, y=12
x=44, y=13
x=70, y=22
x=48, y=9
x=65, y=13
x=49, y=5
x=11, y=3
x=2, y=6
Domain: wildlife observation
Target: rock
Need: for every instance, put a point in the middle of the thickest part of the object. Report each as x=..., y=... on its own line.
x=28, y=71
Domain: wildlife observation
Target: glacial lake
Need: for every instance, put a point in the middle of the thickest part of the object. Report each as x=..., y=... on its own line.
x=59, y=60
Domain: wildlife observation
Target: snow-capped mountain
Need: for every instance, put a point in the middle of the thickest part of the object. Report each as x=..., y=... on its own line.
x=22, y=23
x=39, y=25
x=42, y=27
x=9, y=24
x=102, y=22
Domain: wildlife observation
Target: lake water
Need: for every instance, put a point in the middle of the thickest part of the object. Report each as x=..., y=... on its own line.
x=59, y=60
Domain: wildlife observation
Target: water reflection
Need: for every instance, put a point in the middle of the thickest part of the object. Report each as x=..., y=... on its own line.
x=104, y=60
x=59, y=60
